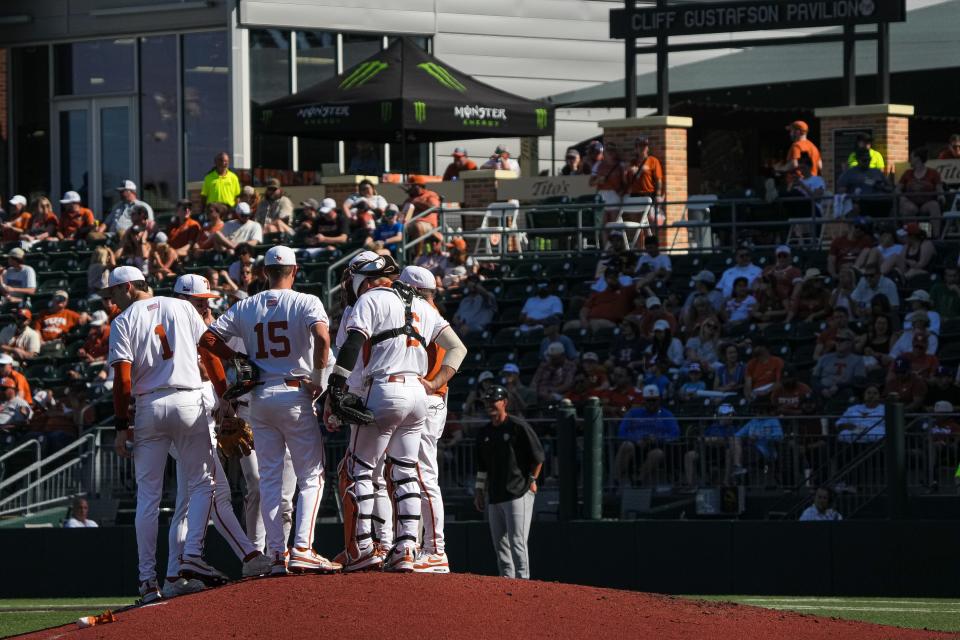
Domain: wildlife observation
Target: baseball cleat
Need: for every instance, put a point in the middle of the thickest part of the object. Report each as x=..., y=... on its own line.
x=431, y=563
x=180, y=587
x=195, y=567
x=400, y=560
x=381, y=550
x=368, y=560
x=278, y=566
x=258, y=565
x=149, y=592
x=309, y=561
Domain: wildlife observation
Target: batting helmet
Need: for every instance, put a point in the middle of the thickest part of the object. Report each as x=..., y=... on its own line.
x=494, y=393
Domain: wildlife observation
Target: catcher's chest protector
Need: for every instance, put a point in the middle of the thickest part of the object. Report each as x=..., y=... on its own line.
x=406, y=295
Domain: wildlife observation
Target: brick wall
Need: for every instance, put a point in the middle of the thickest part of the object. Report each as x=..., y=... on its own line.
x=478, y=192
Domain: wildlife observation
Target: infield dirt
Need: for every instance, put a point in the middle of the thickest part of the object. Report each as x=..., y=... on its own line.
x=416, y=606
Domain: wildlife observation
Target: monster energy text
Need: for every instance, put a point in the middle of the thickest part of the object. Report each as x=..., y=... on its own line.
x=420, y=111
x=541, y=118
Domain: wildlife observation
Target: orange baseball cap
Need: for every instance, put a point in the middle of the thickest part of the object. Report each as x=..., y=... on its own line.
x=25, y=313
x=8, y=383
x=457, y=243
x=420, y=180
x=798, y=124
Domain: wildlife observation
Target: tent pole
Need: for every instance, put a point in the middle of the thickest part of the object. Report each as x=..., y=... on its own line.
x=403, y=154
x=553, y=153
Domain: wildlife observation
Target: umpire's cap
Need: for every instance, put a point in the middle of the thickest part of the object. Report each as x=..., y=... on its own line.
x=494, y=393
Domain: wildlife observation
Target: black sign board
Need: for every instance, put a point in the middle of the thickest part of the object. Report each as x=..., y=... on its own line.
x=724, y=17
x=845, y=143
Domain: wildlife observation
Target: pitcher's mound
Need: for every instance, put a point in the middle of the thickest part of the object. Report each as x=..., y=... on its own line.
x=417, y=607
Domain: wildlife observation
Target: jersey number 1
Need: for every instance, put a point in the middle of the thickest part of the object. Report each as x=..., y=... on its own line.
x=165, y=350
x=272, y=331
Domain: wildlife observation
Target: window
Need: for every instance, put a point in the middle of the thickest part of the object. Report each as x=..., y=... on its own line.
x=316, y=62
x=269, y=80
x=96, y=67
x=206, y=101
x=159, y=106
x=30, y=102
x=357, y=48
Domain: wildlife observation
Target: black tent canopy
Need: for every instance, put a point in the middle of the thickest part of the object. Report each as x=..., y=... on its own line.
x=403, y=94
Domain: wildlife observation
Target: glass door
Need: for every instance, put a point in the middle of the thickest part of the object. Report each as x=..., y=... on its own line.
x=94, y=141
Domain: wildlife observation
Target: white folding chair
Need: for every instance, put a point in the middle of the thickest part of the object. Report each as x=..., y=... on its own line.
x=951, y=219
x=497, y=215
x=802, y=233
x=696, y=219
x=637, y=206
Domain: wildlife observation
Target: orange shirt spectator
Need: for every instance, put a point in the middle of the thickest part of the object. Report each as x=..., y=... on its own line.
x=461, y=162
x=23, y=387
x=799, y=147
x=419, y=200
x=928, y=185
x=763, y=371
x=18, y=220
x=184, y=234
x=58, y=320
x=644, y=176
x=74, y=220
x=215, y=213
x=787, y=396
x=952, y=150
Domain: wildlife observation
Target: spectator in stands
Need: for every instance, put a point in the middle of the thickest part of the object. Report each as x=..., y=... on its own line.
x=865, y=141
x=8, y=370
x=664, y=347
x=922, y=363
x=17, y=220
x=771, y=307
x=163, y=259
x=704, y=288
x=845, y=250
x=419, y=199
x=331, y=228
x=14, y=410
x=43, y=222
x=59, y=424
x=864, y=421
x=811, y=298
x=887, y=255
x=652, y=266
x=763, y=372
x=183, y=231
x=716, y=439
x=502, y=161
x=739, y=306
x=731, y=372
x=945, y=293
x=58, y=320
x=134, y=249
x=366, y=192
x=593, y=156
x=76, y=221
x=822, y=508
x=644, y=431
x=704, y=347
x=461, y=162
x=589, y=381
x=244, y=258
x=622, y=394
x=554, y=375
x=743, y=268
x=952, y=150
x=907, y=387
x=920, y=301
x=921, y=190
x=605, y=309
x=788, y=394
x=918, y=253
x=627, y=348
x=763, y=433
x=839, y=322
x=655, y=312
x=919, y=324
x=476, y=309
x=458, y=265
x=388, y=234
x=876, y=343
x=571, y=163
x=541, y=307
x=365, y=160
x=216, y=214
x=551, y=334
x=220, y=184
x=97, y=344
x=644, y=173
x=871, y=284
x=656, y=372
x=434, y=259
x=249, y=195
x=102, y=261
x=942, y=387
x=121, y=216
x=19, y=339
x=606, y=176
x=473, y=405
x=865, y=186
x=694, y=383
x=244, y=229
x=18, y=280
x=275, y=211
x=840, y=369
x=783, y=272
x=840, y=296
x=800, y=145
x=78, y=519
x=521, y=399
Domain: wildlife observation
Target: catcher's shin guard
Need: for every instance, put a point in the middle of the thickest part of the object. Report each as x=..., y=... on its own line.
x=404, y=484
x=357, y=504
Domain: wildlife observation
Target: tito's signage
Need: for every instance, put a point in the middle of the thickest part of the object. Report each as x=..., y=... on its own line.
x=722, y=17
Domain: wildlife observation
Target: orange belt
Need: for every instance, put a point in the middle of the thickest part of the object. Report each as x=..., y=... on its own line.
x=395, y=378
x=295, y=382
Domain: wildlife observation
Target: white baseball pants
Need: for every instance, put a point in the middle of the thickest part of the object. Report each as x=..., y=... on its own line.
x=283, y=418
x=163, y=418
x=431, y=504
x=251, y=499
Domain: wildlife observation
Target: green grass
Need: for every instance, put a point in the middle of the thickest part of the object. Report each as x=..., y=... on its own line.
x=31, y=614
x=940, y=614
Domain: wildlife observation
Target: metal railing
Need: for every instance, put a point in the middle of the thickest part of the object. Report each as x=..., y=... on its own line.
x=37, y=454
x=44, y=483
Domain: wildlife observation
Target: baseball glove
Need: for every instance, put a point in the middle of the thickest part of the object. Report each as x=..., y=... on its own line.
x=235, y=437
x=246, y=377
x=347, y=407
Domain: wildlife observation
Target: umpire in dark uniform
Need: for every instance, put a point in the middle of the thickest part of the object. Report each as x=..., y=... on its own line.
x=509, y=458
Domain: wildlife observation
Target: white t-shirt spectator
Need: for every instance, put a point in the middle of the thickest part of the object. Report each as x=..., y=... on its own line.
x=863, y=423
x=15, y=411
x=739, y=310
x=23, y=277
x=864, y=293
x=662, y=261
x=934, y=318
x=537, y=308
x=376, y=202
x=494, y=163
x=904, y=344
x=29, y=340
x=751, y=272
x=243, y=232
x=73, y=523
x=811, y=514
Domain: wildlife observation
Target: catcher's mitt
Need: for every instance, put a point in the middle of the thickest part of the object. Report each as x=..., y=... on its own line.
x=235, y=437
x=347, y=407
x=246, y=376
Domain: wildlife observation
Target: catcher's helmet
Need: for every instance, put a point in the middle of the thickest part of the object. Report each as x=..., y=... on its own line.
x=494, y=393
x=366, y=264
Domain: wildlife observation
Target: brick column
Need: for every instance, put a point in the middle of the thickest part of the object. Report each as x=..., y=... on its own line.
x=668, y=142
x=339, y=187
x=888, y=123
x=480, y=187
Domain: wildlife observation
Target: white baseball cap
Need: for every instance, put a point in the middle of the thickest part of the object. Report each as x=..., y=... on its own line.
x=71, y=197
x=128, y=185
x=783, y=249
x=280, y=255
x=193, y=285
x=919, y=296
x=18, y=199
x=328, y=205
x=510, y=368
x=661, y=325
x=943, y=406
x=486, y=375
x=418, y=277
x=99, y=318
x=555, y=349
x=5, y=358
x=242, y=209
x=160, y=238
x=653, y=301
x=122, y=275
x=651, y=391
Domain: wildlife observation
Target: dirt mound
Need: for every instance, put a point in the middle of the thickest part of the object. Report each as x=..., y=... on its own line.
x=364, y=606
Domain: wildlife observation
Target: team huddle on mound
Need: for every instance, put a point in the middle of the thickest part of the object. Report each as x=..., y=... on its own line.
x=395, y=355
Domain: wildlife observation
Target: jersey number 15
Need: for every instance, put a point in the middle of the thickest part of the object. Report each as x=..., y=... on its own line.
x=272, y=332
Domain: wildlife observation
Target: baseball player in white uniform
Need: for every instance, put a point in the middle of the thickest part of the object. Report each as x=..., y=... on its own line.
x=433, y=556
x=195, y=289
x=392, y=327
x=285, y=335
x=153, y=351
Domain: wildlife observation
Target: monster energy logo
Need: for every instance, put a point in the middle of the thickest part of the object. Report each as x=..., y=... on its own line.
x=362, y=74
x=442, y=76
x=420, y=111
x=386, y=111
x=541, y=118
